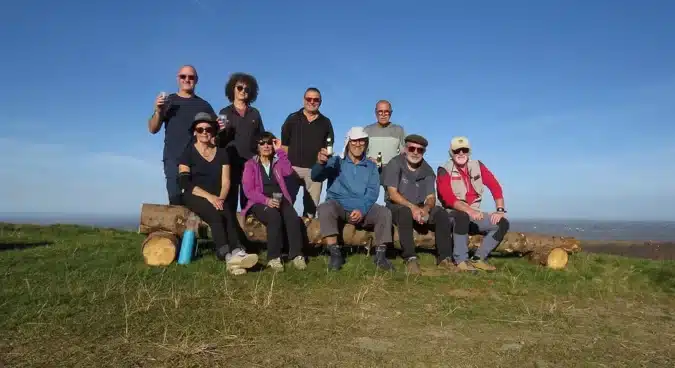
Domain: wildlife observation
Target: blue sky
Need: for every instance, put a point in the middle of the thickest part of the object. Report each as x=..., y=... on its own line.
x=570, y=103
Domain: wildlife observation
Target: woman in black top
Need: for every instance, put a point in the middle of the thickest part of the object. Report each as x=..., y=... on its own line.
x=240, y=126
x=204, y=176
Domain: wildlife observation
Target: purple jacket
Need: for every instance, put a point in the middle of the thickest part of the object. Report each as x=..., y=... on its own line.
x=252, y=179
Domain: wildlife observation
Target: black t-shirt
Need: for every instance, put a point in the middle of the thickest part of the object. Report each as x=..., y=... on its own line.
x=241, y=133
x=205, y=174
x=178, y=115
x=305, y=139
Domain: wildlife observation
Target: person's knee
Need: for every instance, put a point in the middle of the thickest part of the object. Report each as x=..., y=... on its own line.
x=273, y=217
x=502, y=228
x=462, y=222
x=328, y=212
x=384, y=216
x=441, y=218
x=403, y=215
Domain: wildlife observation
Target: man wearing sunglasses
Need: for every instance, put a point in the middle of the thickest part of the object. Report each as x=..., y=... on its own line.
x=176, y=112
x=303, y=134
x=353, y=187
x=461, y=182
x=410, y=181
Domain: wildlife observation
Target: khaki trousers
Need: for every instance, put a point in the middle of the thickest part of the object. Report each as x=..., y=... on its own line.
x=311, y=191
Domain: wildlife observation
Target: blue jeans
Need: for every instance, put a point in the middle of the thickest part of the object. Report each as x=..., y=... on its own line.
x=172, y=187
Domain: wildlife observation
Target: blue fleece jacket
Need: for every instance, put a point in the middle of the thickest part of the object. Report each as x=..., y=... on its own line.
x=355, y=186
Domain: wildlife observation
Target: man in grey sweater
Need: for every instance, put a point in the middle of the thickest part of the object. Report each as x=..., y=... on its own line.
x=386, y=138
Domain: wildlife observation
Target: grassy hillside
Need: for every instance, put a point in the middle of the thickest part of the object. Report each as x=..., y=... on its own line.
x=74, y=296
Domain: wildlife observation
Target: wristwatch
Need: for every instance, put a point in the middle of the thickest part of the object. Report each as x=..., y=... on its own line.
x=501, y=209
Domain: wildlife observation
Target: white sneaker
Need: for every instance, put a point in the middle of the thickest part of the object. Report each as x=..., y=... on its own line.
x=299, y=263
x=275, y=264
x=239, y=258
x=236, y=270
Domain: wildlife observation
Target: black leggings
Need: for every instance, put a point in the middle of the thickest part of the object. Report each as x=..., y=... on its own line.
x=223, y=223
x=276, y=219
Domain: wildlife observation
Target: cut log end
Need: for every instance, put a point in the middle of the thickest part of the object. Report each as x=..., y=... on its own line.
x=557, y=259
x=554, y=258
x=160, y=248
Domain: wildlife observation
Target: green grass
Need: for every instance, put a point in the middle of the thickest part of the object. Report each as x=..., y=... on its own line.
x=88, y=300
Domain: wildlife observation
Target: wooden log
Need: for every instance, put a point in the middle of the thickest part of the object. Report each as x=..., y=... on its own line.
x=554, y=257
x=160, y=248
x=156, y=217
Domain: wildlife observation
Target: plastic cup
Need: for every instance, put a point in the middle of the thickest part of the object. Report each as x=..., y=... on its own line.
x=277, y=196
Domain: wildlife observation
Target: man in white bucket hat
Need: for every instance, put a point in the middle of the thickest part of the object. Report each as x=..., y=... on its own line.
x=351, y=192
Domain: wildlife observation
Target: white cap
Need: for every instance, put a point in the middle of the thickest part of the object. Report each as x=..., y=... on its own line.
x=353, y=134
x=356, y=133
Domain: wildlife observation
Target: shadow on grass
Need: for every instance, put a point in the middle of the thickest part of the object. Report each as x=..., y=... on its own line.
x=23, y=245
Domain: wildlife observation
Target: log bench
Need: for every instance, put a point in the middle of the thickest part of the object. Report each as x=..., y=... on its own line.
x=165, y=224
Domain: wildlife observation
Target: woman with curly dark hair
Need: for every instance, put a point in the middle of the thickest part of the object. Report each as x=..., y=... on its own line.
x=240, y=125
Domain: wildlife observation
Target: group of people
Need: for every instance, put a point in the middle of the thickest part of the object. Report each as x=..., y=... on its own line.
x=213, y=163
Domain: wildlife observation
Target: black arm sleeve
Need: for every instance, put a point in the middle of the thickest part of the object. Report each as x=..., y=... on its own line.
x=185, y=182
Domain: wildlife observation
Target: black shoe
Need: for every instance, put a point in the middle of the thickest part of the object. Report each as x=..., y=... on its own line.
x=336, y=260
x=222, y=251
x=381, y=260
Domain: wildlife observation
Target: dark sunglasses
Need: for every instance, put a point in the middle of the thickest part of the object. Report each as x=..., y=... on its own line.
x=263, y=142
x=462, y=150
x=242, y=88
x=201, y=130
x=383, y=112
x=188, y=77
x=419, y=150
x=312, y=99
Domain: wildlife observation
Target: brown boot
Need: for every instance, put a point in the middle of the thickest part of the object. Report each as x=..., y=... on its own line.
x=412, y=266
x=447, y=265
x=466, y=267
x=480, y=264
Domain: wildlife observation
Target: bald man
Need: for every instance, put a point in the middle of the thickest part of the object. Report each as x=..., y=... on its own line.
x=176, y=112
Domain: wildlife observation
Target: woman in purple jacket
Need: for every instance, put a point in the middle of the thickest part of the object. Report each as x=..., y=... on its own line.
x=264, y=183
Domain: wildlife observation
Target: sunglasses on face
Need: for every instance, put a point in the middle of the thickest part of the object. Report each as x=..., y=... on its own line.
x=358, y=142
x=312, y=99
x=243, y=88
x=419, y=150
x=460, y=150
x=201, y=130
x=189, y=77
x=263, y=142
x=383, y=112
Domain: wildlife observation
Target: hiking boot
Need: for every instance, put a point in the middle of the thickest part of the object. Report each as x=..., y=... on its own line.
x=336, y=260
x=275, y=264
x=412, y=266
x=381, y=260
x=447, y=265
x=480, y=264
x=299, y=263
x=239, y=258
x=465, y=266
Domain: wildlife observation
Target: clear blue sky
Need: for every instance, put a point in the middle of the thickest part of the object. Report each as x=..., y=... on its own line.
x=570, y=103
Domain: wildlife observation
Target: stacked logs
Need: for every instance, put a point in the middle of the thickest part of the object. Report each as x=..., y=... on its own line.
x=164, y=225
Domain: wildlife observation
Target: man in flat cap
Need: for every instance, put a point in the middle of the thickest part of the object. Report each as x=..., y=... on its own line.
x=411, y=197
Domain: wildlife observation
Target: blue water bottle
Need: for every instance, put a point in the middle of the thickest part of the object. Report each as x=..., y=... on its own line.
x=187, y=245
